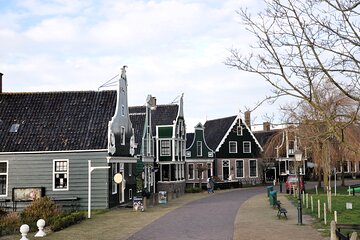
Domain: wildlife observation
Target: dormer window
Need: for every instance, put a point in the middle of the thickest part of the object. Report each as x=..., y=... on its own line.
x=199, y=148
x=14, y=128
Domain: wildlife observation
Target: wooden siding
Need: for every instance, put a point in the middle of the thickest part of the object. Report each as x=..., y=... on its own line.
x=36, y=170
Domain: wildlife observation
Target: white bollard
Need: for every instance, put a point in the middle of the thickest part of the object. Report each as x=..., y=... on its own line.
x=316, y=189
x=24, y=229
x=40, y=224
x=335, y=216
x=349, y=191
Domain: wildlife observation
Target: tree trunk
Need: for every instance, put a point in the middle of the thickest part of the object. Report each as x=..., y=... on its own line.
x=326, y=180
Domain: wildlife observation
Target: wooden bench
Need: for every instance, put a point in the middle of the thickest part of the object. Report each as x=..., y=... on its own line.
x=3, y=204
x=353, y=188
x=72, y=202
x=281, y=210
x=341, y=235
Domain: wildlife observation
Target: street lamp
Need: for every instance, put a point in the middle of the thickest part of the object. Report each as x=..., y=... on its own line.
x=298, y=158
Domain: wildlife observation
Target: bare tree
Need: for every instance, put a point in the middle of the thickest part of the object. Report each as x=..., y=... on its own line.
x=303, y=46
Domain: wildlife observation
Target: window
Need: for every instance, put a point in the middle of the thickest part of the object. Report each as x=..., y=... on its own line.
x=247, y=147
x=199, y=148
x=209, y=169
x=14, y=128
x=232, y=147
x=122, y=110
x=122, y=135
x=113, y=172
x=200, y=171
x=3, y=178
x=239, y=130
x=130, y=169
x=191, y=171
x=239, y=168
x=130, y=194
x=165, y=148
x=253, y=168
x=61, y=173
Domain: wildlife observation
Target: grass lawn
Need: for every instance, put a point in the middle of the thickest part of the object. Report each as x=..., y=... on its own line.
x=338, y=202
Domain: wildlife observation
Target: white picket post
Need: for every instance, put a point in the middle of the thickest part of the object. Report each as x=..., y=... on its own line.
x=24, y=229
x=40, y=224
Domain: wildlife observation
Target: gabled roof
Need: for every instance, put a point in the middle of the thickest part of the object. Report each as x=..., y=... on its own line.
x=55, y=121
x=216, y=129
x=162, y=115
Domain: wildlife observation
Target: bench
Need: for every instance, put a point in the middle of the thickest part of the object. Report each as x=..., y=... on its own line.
x=3, y=204
x=281, y=210
x=354, y=187
x=72, y=202
x=341, y=235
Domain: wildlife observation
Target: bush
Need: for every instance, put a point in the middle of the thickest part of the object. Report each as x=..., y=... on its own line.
x=193, y=190
x=9, y=224
x=42, y=208
x=66, y=220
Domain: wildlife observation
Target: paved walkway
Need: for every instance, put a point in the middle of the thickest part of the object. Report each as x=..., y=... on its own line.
x=253, y=219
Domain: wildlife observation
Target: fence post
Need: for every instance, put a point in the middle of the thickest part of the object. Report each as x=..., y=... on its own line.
x=354, y=236
x=40, y=224
x=332, y=230
x=307, y=200
x=335, y=216
x=319, y=215
x=312, y=203
x=325, y=213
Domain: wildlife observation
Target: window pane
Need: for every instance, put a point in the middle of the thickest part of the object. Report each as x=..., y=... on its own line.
x=247, y=147
x=252, y=168
x=191, y=171
x=239, y=169
x=233, y=147
x=3, y=167
x=60, y=181
x=2, y=185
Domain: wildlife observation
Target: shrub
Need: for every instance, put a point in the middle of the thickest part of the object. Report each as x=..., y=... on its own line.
x=9, y=224
x=44, y=208
x=193, y=190
x=66, y=220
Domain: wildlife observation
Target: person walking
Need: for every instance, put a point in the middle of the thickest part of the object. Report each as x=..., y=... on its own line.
x=208, y=185
x=212, y=184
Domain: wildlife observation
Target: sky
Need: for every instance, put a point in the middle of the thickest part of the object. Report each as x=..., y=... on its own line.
x=170, y=48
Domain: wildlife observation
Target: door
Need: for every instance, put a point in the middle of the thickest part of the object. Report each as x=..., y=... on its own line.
x=225, y=169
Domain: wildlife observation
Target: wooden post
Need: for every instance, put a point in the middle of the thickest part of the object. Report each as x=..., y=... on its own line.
x=319, y=215
x=325, y=213
x=303, y=198
x=333, y=230
x=316, y=189
x=312, y=203
x=307, y=200
x=354, y=236
x=349, y=191
x=335, y=216
x=329, y=203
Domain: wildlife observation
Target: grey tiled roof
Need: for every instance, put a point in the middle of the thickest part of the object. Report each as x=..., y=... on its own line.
x=264, y=136
x=63, y=121
x=55, y=121
x=216, y=129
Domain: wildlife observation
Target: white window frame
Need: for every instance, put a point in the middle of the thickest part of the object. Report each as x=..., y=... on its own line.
x=239, y=130
x=246, y=142
x=250, y=160
x=197, y=171
x=130, y=194
x=61, y=172
x=193, y=171
x=210, y=167
x=114, y=185
x=6, y=178
x=168, y=147
x=243, y=168
x=236, y=148
x=199, y=147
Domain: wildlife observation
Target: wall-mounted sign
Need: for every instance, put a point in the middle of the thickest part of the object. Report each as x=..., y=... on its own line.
x=118, y=178
x=27, y=194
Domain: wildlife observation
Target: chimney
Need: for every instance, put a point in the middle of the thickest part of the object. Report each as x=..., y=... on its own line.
x=248, y=118
x=1, y=82
x=266, y=126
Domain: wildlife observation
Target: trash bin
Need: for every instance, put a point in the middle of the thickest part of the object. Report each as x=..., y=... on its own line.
x=273, y=197
x=269, y=189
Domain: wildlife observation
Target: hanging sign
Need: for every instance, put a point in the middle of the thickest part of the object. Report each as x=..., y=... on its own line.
x=118, y=178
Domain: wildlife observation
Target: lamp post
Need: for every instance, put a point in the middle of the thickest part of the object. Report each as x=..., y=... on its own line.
x=298, y=158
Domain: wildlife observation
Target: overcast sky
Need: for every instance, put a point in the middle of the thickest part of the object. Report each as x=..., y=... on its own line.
x=170, y=47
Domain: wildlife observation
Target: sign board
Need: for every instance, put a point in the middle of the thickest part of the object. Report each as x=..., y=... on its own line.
x=162, y=197
x=27, y=194
x=138, y=204
x=118, y=178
